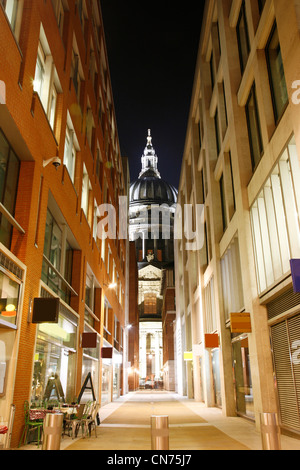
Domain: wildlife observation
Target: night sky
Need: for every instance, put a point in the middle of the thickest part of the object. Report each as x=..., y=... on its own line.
x=152, y=51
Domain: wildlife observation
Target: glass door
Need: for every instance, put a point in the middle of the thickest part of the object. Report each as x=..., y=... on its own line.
x=242, y=378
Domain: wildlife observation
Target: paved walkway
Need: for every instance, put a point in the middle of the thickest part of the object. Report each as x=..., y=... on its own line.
x=125, y=425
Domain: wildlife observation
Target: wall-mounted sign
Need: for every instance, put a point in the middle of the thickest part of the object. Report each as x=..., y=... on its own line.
x=89, y=340
x=45, y=310
x=295, y=270
x=211, y=341
x=240, y=322
x=106, y=353
x=188, y=356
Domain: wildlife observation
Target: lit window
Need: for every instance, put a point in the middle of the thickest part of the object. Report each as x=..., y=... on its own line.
x=52, y=108
x=70, y=149
x=39, y=72
x=95, y=222
x=11, y=9
x=85, y=191
x=150, y=307
x=275, y=220
x=46, y=83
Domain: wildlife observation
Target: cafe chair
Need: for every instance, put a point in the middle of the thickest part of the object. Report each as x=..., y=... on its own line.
x=91, y=420
x=73, y=423
x=30, y=425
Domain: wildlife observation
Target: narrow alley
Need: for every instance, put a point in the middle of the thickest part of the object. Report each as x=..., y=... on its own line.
x=125, y=425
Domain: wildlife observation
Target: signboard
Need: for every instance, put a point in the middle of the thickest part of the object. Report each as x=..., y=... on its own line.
x=89, y=340
x=240, y=323
x=45, y=310
x=211, y=341
x=106, y=353
x=295, y=270
x=188, y=356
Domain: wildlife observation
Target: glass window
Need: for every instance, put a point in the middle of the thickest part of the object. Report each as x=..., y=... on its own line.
x=242, y=379
x=90, y=364
x=10, y=7
x=53, y=252
x=55, y=360
x=212, y=70
x=223, y=203
x=39, y=75
x=150, y=307
x=231, y=273
x=9, y=178
x=217, y=131
x=70, y=152
x=53, y=241
x=9, y=299
x=276, y=74
x=46, y=82
x=254, y=129
x=59, y=14
x=243, y=38
x=52, y=109
x=85, y=191
x=275, y=220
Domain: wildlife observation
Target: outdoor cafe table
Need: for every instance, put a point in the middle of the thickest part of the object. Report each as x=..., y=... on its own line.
x=40, y=413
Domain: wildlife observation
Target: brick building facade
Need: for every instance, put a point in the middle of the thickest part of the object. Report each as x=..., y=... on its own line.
x=58, y=104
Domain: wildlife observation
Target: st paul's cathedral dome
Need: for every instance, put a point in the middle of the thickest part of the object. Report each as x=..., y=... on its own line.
x=150, y=188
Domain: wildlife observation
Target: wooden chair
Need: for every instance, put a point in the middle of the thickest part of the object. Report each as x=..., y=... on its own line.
x=30, y=425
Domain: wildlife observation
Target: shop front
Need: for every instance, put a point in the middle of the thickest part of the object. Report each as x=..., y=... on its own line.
x=12, y=275
x=285, y=339
x=117, y=374
x=216, y=376
x=107, y=371
x=55, y=358
x=242, y=377
x=90, y=366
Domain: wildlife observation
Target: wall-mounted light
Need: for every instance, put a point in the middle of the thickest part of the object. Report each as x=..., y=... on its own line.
x=56, y=162
x=10, y=311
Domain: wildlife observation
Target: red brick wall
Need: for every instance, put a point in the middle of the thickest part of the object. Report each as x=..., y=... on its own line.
x=38, y=142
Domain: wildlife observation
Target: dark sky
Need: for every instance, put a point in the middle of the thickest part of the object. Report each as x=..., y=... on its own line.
x=152, y=51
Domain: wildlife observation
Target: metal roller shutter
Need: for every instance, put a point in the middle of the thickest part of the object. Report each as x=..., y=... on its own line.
x=286, y=353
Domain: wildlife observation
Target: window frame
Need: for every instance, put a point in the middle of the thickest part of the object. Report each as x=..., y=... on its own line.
x=277, y=113
x=252, y=94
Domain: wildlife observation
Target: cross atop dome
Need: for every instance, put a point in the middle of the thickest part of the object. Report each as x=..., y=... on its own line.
x=149, y=158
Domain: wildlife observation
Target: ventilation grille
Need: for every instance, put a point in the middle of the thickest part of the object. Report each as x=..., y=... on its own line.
x=283, y=303
x=11, y=266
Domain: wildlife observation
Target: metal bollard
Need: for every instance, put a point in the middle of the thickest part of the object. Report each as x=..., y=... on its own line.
x=52, y=431
x=270, y=431
x=160, y=432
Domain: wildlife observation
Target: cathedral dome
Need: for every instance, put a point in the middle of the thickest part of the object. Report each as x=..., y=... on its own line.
x=150, y=188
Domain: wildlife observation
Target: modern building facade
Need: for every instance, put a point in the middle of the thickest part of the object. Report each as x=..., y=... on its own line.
x=60, y=160
x=238, y=310
x=152, y=203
